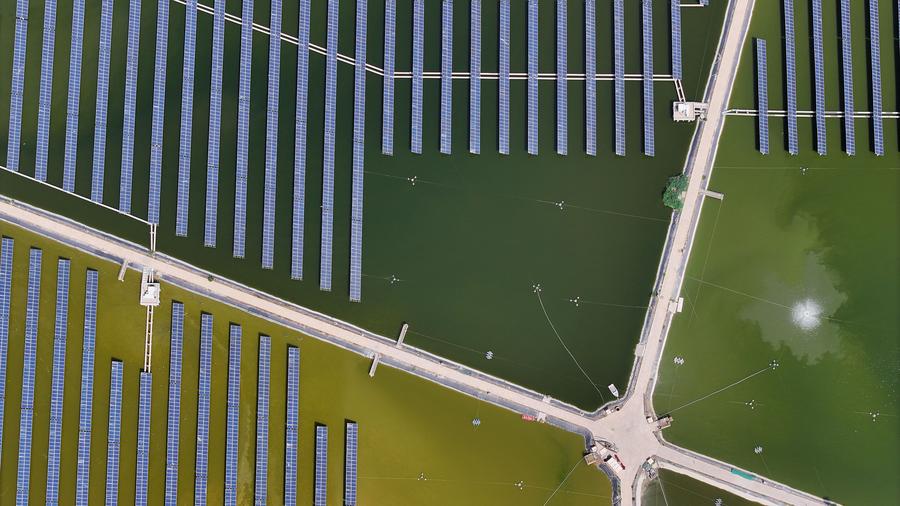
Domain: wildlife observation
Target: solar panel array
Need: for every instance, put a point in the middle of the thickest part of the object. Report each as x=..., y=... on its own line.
x=215, y=127
x=387, y=99
x=299, y=197
x=268, y=232
x=503, y=135
x=187, y=119
x=113, y=442
x=87, y=389
x=675, y=15
x=46, y=91
x=875, y=55
x=17, y=88
x=847, y=72
x=791, y=74
x=32, y=306
x=321, y=476
x=71, y=148
x=446, y=75
x=262, y=417
x=102, y=110
x=819, y=71
x=291, y=426
x=762, y=96
x=562, y=84
x=328, y=159
x=351, y=447
x=590, y=73
x=176, y=342
x=619, y=70
x=359, y=135
x=57, y=386
x=243, y=132
x=201, y=468
x=6, y=265
x=647, y=32
x=131, y=75
x=532, y=77
x=474, y=77
x=233, y=414
x=143, y=440
x=418, y=56
x=159, y=109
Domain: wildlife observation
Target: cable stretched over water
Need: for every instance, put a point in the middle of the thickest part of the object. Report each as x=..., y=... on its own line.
x=562, y=482
x=736, y=383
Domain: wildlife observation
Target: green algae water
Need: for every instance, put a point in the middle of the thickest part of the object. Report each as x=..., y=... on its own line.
x=673, y=489
x=798, y=264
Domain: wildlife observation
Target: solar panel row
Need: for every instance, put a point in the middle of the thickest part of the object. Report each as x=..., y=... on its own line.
x=83, y=472
x=762, y=96
x=819, y=71
x=475, y=77
x=159, y=109
x=321, y=473
x=299, y=197
x=32, y=307
x=619, y=72
x=143, y=440
x=268, y=229
x=262, y=419
x=201, y=468
x=187, y=119
x=233, y=415
x=562, y=84
x=57, y=386
x=6, y=264
x=215, y=126
x=446, y=75
x=131, y=75
x=503, y=134
x=647, y=32
x=532, y=77
x=71, y=148
x=418, y=56
x=114, y=429
x=351, y=447
x=328, y=158
x=176, y=341
x=791, y=74
x=17, y=88
x=46, y=91
x=243, y=132
x=291, y=424
x=359, y=134
x=102, y=109
x=675, y=15
x=387, y=99
x=590, y=73
x=875, y=55
x=847, y=72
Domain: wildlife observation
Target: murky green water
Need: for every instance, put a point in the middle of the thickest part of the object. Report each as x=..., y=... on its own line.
x=799, y=267
x=673, y=489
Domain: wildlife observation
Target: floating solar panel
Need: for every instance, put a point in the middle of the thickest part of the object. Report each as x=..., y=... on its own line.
x=446, y=75
x=46, y=93
x=262, y=417
x=6, y=265
x=32, y=306
x=418, y=56
x=647, y=31
x=176, y=340
x=143, y=440
x=819, y=71
x=619, y=72
x=475, y=77
x=359, y=134
x=233, y=414
x=321, y=476
x=328, y=158
x=675, y=15
x=390, y=41
x=215, y=126
x=57, y=387
x=291, y=425
x=590, y=74
x=532, y=77
x=847, y=71
x=17, y=88
x=562, y=83
x=87, y=389
x=299, y=200
x=351, y=449
x=875, y=55
x=71, y=148
x=268, y=229
x=791, y=74
x=113, y=441
x=503, y=133
x=201, y=468
x=243, y=132
x=131, y=75
x=102, y=110
x=187, y=119
x=762, y=96
x=159, y=109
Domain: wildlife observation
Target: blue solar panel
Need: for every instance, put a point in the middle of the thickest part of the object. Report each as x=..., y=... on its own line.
x=647, y=32
x=321, y=473
x=45, y=100
x=187, y=119
x=762, y=96
x=418, y=56
x=6, y=265
x=847, y=71
x=17, y=88
x=32, y=306
x=131, y=75
x=359, y=134
x=351, y=450
x=299, y=200
x=159, y=109
x=675, y=14
x=503, y=128
x=243, y=132
x=532, y=77
x=102, y=111
x=291, y=425
x=328, y=159
x=233, y=415
x=562, y=83
x=57, y=387
x=875, y=55
x=262, y=418
x=590, y=81
x=390, y=41
x=87, y=389
x=113, y=442
x=819, y=66
x=619, y=72
x=268, y=229
x=475, y=78
x=71, y=148
x=446, y=75
x=215, y=124
x=791, y=74
x=176, y=340
x=143, y=440
x=201, y=467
